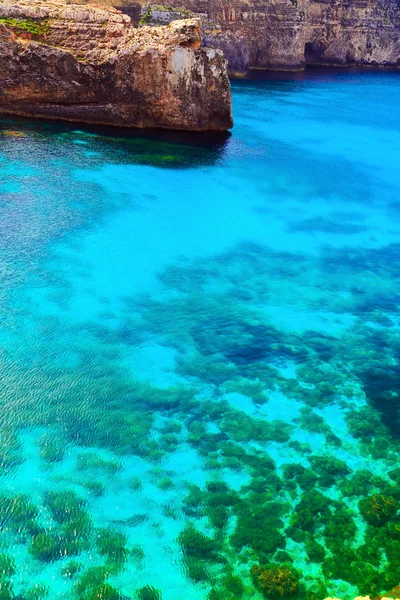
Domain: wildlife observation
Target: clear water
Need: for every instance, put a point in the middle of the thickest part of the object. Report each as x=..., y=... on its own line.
x=199, y=352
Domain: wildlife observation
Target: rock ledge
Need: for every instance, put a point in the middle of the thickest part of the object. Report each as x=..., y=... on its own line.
x=88, y=64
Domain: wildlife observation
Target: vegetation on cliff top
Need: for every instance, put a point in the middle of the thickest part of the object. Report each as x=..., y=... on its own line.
x=37, y=28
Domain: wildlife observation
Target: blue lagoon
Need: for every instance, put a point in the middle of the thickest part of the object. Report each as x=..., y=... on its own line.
x=200, y=344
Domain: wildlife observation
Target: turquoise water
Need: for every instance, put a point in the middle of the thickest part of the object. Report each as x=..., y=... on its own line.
x=199, y=352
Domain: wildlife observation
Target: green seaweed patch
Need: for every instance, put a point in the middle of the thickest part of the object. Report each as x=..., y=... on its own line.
x=216, y=594
x=312, y=421
x=104, y=591
x=218, y=516
x=378, y=509
x=172, y=426
x=349, y=567
x=377, y=448
x=7, y=565
x=63, y=505
x=295, y=474
x=79, y=527
x=394, y=474
x=36, y=28
x=10, y=452
x=392, y=530
x=219, y=500
x=92, y=578
x=310, y=514
x=316, y=591
x=315, y=551
x=47, y=547
x=281, y=556
x=300, y=447
x=165, y=484
x=6, y=590
x=339, y=525
x=233, y=585
x=171, y=398
x=195, y=544
x=193, y=502
x=18, y=512
x=135, y=484
x=364, y=423
x=328, y=469
x=195, y=570
x=169, y=442
x=112, y=543
x=95, y=488
x=371, y=551
x=37, y=592
x=148, y=592
x=137, y=553
x=275, y=581
x=50, y=451
x=258, y=526
x=71, y=569
x=356, y=485
x=242, y=428
x=253, y=389
x=90, y=460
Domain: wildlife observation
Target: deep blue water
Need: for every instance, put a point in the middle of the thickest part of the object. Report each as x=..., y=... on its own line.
x=200, y=351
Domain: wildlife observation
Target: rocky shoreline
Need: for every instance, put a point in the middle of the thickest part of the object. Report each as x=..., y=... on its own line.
x=88, y=64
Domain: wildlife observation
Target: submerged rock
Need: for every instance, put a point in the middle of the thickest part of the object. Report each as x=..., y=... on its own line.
x=88, y=64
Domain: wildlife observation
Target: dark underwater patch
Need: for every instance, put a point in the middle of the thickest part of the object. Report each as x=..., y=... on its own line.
x=382, y=389
x=380, y=261
x=326, y=225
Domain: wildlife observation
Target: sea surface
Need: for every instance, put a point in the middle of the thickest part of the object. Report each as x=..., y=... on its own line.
x=199, y=346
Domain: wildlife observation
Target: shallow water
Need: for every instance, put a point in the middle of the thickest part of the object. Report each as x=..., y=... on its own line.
x=199, y=347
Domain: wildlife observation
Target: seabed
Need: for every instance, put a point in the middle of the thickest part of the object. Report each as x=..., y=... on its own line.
x=200, y=353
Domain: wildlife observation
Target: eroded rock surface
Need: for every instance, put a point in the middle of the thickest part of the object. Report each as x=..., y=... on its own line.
x=274, y=34
x=88, y=64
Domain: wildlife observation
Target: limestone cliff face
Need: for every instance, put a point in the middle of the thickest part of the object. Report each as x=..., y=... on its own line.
x=88, y=64
x=274, y=34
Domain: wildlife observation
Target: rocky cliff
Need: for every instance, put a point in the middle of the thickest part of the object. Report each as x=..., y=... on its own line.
x=288, y=34
x=88, y=64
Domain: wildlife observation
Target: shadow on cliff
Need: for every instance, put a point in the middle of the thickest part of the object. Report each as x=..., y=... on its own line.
x=151, y=147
